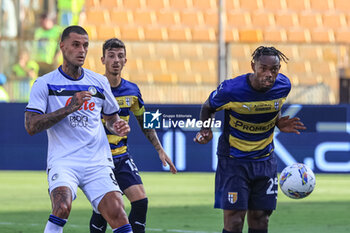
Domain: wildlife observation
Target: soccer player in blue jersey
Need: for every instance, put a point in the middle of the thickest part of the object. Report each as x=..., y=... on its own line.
x=68, y=103
x=129, y=98
x=246, y=176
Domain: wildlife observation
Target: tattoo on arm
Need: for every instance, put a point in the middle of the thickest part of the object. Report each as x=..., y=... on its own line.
x=35, y=123
x=150, y=134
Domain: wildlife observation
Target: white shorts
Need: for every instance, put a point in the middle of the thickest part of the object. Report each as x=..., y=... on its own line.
x=95, y=181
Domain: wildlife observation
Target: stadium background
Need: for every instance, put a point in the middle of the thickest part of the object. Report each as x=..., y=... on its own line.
x=172, y=51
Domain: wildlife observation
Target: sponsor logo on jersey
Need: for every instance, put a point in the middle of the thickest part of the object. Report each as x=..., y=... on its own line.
x=232, y=197
x=87, y=106
x=78, y=121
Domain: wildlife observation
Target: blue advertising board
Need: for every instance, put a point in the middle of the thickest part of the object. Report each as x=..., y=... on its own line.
x=324, y=146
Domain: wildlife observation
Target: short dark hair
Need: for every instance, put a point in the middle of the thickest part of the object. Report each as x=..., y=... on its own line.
x=112, y=43
x=75, y=28
x=268, y=51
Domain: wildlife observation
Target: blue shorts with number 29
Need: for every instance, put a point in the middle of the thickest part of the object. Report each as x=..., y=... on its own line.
x=242, y=184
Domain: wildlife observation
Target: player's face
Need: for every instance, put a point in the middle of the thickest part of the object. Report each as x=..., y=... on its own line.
x=265, y=72
x=74, y=49
x=114, y=60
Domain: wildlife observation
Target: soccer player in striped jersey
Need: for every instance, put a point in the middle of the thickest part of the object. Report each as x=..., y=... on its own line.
x=246, y=176
x=129, y=98
x=68, y=103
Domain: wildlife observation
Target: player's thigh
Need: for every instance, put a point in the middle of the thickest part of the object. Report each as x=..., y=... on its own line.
x=111, y=202
x=127, y=174
x=135, y=192
x=231, y=185
x=264, y=187
x=98, y=181
x=64, y=176
x=112, y=209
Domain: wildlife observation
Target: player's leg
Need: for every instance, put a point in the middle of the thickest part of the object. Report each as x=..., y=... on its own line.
x=61, y=201
x=139, y=203
x=263, y=197
x=62, y=188
x=258, y=221
x=232, y=193
x=112, y=209
x=103, y=192
x=130, y=182
x=97, y=223
x=233, y=221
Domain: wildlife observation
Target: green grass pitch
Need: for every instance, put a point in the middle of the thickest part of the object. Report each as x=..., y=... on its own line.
x=181, y=203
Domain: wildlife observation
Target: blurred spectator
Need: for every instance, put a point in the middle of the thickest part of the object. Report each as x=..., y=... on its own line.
x=23, y=75
x=27, y=11
x=69, y=11
x=4, y=97
x=9, y=24
x=46, y=44
x=25, y=70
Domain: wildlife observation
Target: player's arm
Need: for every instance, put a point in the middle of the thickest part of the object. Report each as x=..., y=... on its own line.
x=151, y=135
x=116, y=125
x=35, y=122
x=289, y=125
x=205, y=134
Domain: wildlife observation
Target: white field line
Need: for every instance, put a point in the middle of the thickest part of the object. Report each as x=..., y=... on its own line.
x=80, y=226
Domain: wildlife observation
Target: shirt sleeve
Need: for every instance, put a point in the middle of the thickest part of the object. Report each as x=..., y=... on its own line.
x=38, y=97
x=110, y=105
x=138, y=105
x=220, y=97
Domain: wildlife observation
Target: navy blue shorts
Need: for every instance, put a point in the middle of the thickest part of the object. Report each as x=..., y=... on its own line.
x=243, y=185
x=126, y=172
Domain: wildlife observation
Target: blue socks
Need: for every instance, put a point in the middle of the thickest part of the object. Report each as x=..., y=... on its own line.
x=123, y=229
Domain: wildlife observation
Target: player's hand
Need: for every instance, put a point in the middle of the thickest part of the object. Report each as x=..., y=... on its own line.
x=167, y=161
x=204, y=136
x=121, y=127
x=78, y=100
x=290, y=125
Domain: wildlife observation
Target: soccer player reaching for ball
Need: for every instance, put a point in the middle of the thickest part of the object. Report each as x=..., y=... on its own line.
x=68, y=103
x=129, y=98
x=246, y=175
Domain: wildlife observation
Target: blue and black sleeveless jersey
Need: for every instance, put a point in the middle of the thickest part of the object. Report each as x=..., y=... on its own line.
x=250, y=116
x=129, y=99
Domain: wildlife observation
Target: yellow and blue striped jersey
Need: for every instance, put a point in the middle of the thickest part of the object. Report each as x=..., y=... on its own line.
x=129, y=98
x=250, y=116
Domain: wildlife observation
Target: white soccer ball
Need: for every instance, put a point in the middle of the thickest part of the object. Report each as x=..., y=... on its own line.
x=297, y=181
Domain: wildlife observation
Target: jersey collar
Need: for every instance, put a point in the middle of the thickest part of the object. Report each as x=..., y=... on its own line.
x=69, y=77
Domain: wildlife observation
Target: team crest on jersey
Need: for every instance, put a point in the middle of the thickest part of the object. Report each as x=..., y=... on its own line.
x=127, y=101
x=92, y=90
x=277, y=105
x=232, y=197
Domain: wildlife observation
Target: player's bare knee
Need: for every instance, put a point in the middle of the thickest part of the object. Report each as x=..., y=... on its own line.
x=234, y=220
x=61, y=210
x=259, y=219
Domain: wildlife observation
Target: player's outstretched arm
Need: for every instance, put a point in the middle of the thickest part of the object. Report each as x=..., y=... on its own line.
x=35, y=122
x=151, y=135
x=205, y=134
x=290, y=125
x=116, y=125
